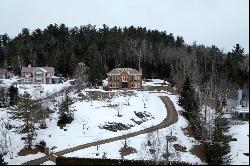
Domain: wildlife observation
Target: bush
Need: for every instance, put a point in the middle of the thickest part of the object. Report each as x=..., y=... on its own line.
x=65, y=119
x=42, y=143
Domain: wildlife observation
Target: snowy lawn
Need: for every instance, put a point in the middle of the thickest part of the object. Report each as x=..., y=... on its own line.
x=111, y=150
x=93, y=116
x=97, y=115
x=241, y=133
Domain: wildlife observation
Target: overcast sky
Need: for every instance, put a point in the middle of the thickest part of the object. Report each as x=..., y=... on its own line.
x=210, y=22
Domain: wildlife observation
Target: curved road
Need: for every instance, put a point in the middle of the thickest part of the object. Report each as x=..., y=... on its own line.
x=172, y=117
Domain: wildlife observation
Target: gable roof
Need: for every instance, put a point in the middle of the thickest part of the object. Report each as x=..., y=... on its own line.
x=120, y=70
x=40, y=68
x=31, y=69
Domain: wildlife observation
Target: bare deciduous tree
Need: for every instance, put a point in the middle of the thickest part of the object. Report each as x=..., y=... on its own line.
x=81, y=76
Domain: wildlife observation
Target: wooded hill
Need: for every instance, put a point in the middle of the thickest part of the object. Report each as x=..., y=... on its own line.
x=101, y=49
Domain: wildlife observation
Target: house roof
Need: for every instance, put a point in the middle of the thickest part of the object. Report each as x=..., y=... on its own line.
x=40, y=68
x=120, y=70
x=31, y=69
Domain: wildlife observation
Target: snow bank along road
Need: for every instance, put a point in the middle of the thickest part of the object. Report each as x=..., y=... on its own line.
x=172, y=117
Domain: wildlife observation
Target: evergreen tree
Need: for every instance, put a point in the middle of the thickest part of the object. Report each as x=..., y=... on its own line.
x=232, y=64
x=29, y=112
x=64, y=108
x=13, y=94
x=2, y=162
x=3, y=98
x=188, y=99
x=95, y=68
x=217, y=150
x=190, y=102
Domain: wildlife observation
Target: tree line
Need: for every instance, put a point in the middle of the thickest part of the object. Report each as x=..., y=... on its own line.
x=161, y=54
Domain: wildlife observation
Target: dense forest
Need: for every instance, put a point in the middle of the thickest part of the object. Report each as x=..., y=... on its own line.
x=161, y=55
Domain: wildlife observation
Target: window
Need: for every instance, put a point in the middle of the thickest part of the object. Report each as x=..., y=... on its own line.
x=113, y=78
x=135, y=85
x=124, y=78
x=132, y=85
x=38, y=74
x=137, y=77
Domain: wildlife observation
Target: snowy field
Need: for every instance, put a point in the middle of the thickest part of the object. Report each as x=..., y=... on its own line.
x=91, y=113
x=111, y=150
x=36, y=91
x=95, y=113
x=241, y=133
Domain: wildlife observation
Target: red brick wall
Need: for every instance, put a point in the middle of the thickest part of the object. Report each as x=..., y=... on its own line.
x=119, y=81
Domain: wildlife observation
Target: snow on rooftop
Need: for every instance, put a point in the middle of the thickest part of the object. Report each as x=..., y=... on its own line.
x=154, y=82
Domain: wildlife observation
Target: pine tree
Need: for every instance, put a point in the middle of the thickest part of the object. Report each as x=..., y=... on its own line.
x=2, y=162
x=95, y=66
x=13, y=94
x=29, y=112
x=218, y=148
x=3, y=98
x=190, y=102
x=188, y=99
x=64, y=108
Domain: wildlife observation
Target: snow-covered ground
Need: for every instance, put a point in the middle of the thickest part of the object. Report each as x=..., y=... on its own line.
x=154, y=82
x=36, y=91
x=48, y=163
x=112, y=149
x=96, y=113
x=241, y=133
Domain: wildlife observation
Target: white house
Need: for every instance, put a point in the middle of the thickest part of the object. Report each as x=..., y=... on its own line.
x=38, y=75
x=238, y=102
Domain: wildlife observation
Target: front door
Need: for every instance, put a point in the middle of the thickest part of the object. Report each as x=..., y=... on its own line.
x=124, y=84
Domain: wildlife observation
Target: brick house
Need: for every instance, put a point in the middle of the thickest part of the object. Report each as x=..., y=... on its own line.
x=38, y=75
x=124, y=78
